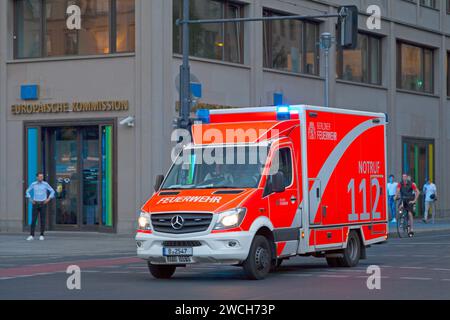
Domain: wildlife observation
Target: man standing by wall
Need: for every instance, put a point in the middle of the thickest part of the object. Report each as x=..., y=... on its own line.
x=392, y=191
x=40, y=199
x=430, y=191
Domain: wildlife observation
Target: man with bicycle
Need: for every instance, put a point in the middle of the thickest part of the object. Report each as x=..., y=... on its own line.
x=408, y=193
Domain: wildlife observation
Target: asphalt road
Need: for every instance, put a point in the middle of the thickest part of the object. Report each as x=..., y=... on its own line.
x=416, y=268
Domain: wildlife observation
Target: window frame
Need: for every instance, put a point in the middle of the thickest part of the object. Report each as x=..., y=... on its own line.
x=448, y=73
x=340, y=60
x=224, y=26
x=268, y=55
x=422, y=48
x=434, y=5
x=112, y=34
x=268, y=178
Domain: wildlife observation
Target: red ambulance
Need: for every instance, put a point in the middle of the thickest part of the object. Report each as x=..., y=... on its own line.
x=257, y=186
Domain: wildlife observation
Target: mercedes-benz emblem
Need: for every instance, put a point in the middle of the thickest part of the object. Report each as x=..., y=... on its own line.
x=177, y=222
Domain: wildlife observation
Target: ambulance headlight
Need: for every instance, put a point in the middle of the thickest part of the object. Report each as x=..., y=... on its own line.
x=230, y=219
x=144, y=221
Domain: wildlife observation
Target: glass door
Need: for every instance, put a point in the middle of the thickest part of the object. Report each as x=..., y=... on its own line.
x=65, y=176
x=418, y=162
x=79, y=162
x=90, y=164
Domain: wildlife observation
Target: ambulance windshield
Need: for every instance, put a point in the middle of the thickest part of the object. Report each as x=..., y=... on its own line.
x=217, y=168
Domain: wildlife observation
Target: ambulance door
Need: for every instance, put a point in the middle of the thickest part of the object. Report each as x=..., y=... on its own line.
x=284, y=206
x=315, y=198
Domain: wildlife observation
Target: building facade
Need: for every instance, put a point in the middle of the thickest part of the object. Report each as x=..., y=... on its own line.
x=91, y=105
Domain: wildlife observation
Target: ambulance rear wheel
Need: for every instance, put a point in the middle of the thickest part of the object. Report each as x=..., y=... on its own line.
x=352, y=253
x=259, y=261
x=334, y=262
x=161, y=271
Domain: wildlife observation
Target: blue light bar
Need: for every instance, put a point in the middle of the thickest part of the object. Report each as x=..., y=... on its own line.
x=283, y=113
x=203, y=115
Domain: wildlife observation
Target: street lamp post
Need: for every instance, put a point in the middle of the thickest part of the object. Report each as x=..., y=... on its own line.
x=347, y=20
x=185, y=74
x=326, y=41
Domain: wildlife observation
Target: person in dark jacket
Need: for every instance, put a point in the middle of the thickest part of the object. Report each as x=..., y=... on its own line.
x=408, y=193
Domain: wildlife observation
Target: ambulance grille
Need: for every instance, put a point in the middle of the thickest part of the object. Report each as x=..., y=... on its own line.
x=181, y=244
x=190, y=222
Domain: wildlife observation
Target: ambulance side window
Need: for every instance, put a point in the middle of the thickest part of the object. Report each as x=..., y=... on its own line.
x=286, y=165
x=281, y=162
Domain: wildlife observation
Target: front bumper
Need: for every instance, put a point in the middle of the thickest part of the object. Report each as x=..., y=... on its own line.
x=214, y=248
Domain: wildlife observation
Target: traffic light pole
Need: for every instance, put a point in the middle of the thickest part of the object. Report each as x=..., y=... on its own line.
x=184, y=121
x=326, y=41
x=185, y=74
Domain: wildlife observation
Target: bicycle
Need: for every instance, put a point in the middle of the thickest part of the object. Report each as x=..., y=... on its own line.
x=403, y=225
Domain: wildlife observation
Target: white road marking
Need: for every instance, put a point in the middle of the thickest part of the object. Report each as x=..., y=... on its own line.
x=413, y=268
x=416, y=278
x=423, y=256
x=393, y=255
x=295, y=275
x=333, y=276
x=440, y=269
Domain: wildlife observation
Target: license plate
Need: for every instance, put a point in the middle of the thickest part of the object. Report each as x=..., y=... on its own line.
x=176, y=252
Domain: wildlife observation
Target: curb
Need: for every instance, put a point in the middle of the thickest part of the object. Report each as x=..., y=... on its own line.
x=393, y=231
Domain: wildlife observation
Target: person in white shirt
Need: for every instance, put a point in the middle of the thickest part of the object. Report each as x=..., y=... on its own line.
x=392, y=191
x=430, y=192
x=38, y=193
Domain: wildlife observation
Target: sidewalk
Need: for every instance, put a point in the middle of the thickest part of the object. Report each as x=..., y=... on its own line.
x=66, y=244
x=420, y=227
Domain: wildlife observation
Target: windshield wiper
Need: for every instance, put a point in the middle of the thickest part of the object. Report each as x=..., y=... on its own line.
x=177, y=188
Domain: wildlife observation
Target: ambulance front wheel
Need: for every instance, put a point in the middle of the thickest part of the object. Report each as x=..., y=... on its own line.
x=259, y=262
x=161, y=271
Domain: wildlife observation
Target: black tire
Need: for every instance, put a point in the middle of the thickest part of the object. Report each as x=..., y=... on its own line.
x=279, y=262
x=402, y=225
x=334, y=262
x=259, y=262
x=352, y=253
x=161, y=271
x=276, y=264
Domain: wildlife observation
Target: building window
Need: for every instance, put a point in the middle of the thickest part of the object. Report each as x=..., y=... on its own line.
x=415, y=68
x=429, y=3
x=223, y=42
x=107, y=26
x=291, y=45
x=362, y=64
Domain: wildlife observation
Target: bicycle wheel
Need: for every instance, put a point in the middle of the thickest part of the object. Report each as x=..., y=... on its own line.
x=402, y=225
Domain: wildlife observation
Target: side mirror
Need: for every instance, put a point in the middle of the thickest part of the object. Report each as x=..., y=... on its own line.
x=278, y=183
x=158, y=183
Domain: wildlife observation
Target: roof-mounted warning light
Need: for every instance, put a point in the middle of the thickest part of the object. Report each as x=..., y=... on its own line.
x=203, y=115
x=283, y=113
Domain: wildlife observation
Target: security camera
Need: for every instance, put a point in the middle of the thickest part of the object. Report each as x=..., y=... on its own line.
x=128, y=121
